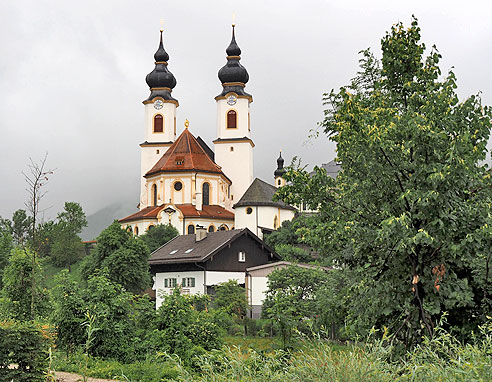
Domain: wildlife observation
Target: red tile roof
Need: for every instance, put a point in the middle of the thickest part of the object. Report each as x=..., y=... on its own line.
x=188, y=210
x=185, y=154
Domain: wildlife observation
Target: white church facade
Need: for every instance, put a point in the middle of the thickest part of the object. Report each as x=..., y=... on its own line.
x=187, y=184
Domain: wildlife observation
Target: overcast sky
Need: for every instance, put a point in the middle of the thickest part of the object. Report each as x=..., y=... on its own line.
x=72, y=78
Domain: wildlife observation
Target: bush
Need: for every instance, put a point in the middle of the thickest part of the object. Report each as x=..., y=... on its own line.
x=24, y=345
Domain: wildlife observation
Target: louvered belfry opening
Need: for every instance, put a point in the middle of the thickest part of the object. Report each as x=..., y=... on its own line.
x=158, y=123
x=231, y=119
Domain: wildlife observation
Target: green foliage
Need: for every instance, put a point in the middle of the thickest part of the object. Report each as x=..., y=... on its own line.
x=6, y=247
x=24, y=345
x=182, y=330
x=68, y=312
x=286, y=234
x=17, y=286
x=291, y=298
x=73, y=217
x=20, y=227
x=292, y=253
x=231, y=297
x=410, y=211
x=159, y=235
x=123, y=256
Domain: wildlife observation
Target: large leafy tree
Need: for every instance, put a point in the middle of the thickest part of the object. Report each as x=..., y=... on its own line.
x=410, y=211
x=124, y=256
x=159, y=235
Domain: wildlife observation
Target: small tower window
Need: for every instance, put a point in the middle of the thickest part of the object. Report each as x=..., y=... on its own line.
x=232, y=148
x=249, y=210
x=279, y=182
x=231, y=119
x=206, y=194
x=154, y=195
x=158, y=123
x=191, y=229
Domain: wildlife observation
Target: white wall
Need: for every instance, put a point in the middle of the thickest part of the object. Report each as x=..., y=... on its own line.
x=263, y=215
x=216, y=277
x=159, y=283
x=257, y=289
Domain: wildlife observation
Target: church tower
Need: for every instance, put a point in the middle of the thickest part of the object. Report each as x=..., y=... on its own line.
x=279, y=172
x=233, y=146
x=160, y=117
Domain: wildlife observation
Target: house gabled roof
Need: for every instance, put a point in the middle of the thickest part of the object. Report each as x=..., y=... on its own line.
x=185, y=154
x=188, y=211
x=260, y=193
x=185, y=248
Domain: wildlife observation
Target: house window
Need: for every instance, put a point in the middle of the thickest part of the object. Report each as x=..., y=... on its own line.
x=158, y=123
x=188, y=282
x=231, y=119
x=191, y=229
x=170, y=283
x=206, y=194
x=242, y=257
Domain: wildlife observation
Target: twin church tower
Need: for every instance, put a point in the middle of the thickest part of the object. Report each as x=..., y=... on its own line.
x=183, y=181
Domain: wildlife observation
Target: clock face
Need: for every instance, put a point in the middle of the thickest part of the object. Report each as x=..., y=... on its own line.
x=158, y=104
x=231, y=100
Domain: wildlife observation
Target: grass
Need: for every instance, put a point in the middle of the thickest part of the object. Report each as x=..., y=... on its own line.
x=50, y=271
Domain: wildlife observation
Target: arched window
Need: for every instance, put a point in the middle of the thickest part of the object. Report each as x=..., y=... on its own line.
x=136, y=230
x=154, y=195
x=206, y=194
x=191, y=229
x=275, y=223
x=158, y=123
x=223, y=227
x=231, y=119
x=211, y=228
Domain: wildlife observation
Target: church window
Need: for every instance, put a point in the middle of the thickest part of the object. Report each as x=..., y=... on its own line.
x=211, y=228
x=232, y=148
x=179, y=161
x=158, y=123
x=157, y=151
x=154, y=195
x=231, y=119
x=206, y=194
x=275, y=223
x=249, y=123
x=249, y=210
x=174, y=125
x=178, y=186
x=191, y=229
x=223, y=228
x=135, y=231
x=150, y=227
x=279, y=182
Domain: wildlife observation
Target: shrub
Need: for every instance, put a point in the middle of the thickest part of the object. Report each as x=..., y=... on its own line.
x=24, y=345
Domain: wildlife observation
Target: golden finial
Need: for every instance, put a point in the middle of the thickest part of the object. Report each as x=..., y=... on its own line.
x=233, y=19
x=162, y=25
x=187, y=123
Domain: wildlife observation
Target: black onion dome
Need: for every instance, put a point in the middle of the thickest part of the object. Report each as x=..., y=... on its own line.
x=280, y=171
x=160, y=80
x=233, y=75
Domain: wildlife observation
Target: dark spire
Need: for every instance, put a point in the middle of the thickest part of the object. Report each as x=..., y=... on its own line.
x=233, y=75
x=280, y=171
x=160, y=80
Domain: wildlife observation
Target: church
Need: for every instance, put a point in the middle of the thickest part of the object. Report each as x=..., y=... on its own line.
x=187, y=184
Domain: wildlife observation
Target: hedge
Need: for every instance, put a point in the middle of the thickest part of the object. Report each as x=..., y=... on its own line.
x=23, y=352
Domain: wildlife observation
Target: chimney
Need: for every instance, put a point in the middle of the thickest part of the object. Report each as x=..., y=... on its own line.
x=200, y=233
x=199, y=201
